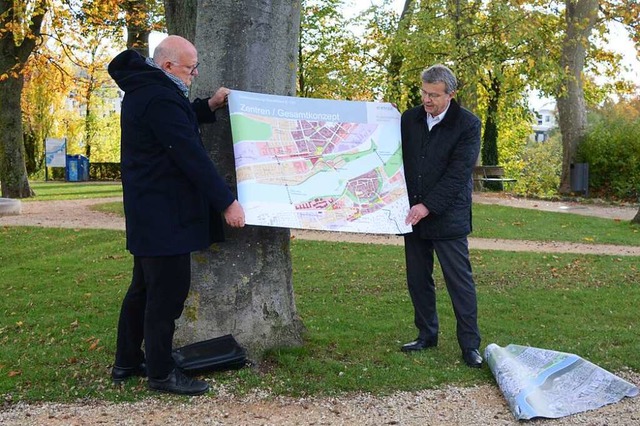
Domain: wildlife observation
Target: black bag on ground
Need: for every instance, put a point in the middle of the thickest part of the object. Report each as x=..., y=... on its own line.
x=218, y=354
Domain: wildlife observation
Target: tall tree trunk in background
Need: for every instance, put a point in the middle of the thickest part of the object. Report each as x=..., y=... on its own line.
x=243, y=286
x=464, y=14
x=580, y=18
x=13, y=169
x=397, y=57
x=138, y=30
x=489, y=152
x=15, y=52
x=181, y=17
x=636, y=218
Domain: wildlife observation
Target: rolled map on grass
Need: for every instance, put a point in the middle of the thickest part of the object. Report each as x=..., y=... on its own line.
x=545, y=383
x=319, y=164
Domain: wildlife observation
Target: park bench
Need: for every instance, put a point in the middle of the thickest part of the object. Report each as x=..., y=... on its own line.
x=488, y=174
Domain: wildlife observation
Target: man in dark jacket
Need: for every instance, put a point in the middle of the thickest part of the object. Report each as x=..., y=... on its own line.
x=173, y=197
x=440, y=145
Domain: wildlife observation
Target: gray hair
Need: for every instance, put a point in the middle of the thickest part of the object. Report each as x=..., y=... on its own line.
x=440, y=74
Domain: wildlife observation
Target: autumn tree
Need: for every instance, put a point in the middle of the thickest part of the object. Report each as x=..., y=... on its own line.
x=485, y=43
x=396, y=52
x=580, y=17
x=331, y=61
x=43, y=100
x=498, y=50
x=95, y=26
x=142, y=17
x=21, y=22
x=243, y=286
x=583, y=23
x=78, y=40
x=425, y=33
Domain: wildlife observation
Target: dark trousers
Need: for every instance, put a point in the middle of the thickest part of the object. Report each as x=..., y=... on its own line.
x=453, y=256
x=155, y=299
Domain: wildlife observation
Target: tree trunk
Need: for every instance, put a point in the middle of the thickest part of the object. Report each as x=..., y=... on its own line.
x=464, y=14
x=13, y=172
x=489, y=152
x=137, y=17
x=243, y=286
x=490, y=156
x=580, y=17
x=397, y=57
x=181, y=17
x=636, y=218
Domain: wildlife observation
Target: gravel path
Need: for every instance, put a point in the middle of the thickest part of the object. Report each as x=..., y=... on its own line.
x=78, y=214
x=480, y=405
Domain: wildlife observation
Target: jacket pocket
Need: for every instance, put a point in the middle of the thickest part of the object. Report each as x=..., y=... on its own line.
x=192, y=207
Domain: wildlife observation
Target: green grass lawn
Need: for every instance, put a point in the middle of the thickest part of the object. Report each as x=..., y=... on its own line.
x=62, y=291
x=494, y=221
x=55, y=190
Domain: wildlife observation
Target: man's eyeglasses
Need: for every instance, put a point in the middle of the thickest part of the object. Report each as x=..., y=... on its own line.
x=432, y=96
x=191, y=69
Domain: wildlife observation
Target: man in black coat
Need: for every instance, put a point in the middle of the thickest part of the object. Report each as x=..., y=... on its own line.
x=173, y=197
x=440, y=145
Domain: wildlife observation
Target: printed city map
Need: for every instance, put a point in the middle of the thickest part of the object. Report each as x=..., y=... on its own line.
x=319, y=164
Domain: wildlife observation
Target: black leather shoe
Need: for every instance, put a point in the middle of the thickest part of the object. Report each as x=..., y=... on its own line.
x=419, y=345
x=472, y=358
x=179, y=384
x=120, y=374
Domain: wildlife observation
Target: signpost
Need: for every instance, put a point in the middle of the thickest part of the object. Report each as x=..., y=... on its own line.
x=55, y=154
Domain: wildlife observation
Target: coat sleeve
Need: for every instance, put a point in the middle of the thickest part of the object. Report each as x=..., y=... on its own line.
x=202, y=110
x=174, y=128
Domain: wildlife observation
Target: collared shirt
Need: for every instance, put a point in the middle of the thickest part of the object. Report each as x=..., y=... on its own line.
x=432, y=121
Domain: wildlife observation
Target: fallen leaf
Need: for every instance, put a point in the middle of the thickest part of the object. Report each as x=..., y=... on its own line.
x=94, y=345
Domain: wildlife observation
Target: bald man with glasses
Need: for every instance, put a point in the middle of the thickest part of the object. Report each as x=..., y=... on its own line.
x=174, y=201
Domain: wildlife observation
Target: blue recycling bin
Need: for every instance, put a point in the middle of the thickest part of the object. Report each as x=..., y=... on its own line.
x=77, y=169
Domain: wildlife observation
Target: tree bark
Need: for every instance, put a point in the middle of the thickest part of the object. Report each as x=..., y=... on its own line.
x=137, y=17
x=13, y=171
x=243, y=286
x=181, y=17
x=580, y=18
x=636, y=218
x=489, y=153
x=397, y=57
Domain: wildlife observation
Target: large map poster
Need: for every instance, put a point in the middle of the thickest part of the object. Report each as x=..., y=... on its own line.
x=319, y=164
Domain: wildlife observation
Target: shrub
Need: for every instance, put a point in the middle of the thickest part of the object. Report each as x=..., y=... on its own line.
x=104, y=171
x=612, y=150
x=540, y=168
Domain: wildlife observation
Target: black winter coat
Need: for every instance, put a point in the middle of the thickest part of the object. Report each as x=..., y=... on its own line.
x=438, y=167
x=170, y=184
